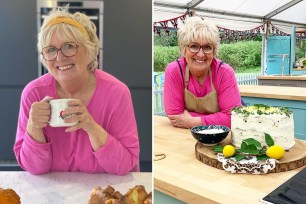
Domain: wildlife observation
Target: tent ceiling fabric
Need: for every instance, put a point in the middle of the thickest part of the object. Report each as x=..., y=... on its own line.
x=281, y=9
x=237, y=14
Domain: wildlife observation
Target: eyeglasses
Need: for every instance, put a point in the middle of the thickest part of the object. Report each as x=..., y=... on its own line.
x=195, y=48
x=68, y=49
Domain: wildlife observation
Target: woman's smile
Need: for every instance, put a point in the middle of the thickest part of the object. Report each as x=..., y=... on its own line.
x=202, y=61
x=65, y=67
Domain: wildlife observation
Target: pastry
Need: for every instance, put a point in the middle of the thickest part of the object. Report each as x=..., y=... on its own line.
x=108, y=195
x=9, y=196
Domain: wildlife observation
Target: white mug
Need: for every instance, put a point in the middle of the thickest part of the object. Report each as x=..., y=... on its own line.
x=57, y=108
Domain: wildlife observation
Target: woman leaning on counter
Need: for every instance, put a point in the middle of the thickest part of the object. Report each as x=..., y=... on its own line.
x=105, y=138
x=199, y=88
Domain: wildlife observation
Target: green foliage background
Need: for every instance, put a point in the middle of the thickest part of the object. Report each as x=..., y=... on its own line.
x=163, y=56
x=239, y=55
x=300, y=49
x=243, y=56
x=166, y=40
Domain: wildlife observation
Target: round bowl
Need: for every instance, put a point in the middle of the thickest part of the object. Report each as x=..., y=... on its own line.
x=210, y=134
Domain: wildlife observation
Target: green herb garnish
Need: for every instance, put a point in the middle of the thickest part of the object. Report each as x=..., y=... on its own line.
x=249, y=147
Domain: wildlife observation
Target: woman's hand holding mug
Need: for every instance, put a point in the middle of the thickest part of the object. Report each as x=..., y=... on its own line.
x=79, y=115
x=39, y=118
x=40, y=113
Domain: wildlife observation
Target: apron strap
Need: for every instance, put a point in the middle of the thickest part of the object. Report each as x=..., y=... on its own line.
x=219, y=66
x=186, y=83
x=180, y=70
x=210, y=75
x=187, y=77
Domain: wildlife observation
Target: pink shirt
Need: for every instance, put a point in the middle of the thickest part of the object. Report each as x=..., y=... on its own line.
x=111, y=107
x=225, y=84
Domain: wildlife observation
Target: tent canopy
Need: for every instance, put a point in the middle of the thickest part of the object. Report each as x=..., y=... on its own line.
x=237, y=14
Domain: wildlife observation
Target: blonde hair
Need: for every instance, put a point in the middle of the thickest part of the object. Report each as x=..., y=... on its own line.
x=195, y=29
x=70, y=30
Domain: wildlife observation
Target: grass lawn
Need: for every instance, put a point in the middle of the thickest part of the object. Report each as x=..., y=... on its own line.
x=248, y=70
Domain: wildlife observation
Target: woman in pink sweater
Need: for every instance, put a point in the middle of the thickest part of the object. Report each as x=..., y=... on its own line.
x=105, y=138
x=199, y=89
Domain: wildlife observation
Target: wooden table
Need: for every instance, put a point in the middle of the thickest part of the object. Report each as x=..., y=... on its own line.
x=273, y=92
x=181, y=176
x=284, y=77
x=287, y=81
x=67, y=187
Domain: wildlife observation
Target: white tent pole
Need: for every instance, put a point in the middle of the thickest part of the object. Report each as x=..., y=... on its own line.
x=282, y=8
x=264, y=56
x=194, y=3
x=292, y=50
x=264, y=50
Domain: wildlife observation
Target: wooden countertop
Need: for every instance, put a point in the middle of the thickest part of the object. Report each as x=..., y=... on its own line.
x=293, y=78
x=182, y=176
x=276, y=92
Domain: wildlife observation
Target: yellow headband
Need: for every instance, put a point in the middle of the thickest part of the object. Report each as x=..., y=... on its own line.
x=69, y=21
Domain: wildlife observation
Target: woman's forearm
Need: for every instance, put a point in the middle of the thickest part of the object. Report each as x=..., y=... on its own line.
x=36, y=133
x=97, y=136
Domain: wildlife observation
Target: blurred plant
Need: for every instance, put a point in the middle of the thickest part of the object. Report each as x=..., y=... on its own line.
x=238, y=55
x=163, y=56
x=241, y=54
x=300, y=50
x=165, y=40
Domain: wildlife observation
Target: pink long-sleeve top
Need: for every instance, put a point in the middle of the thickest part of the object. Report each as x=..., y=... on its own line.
x=225, y=84
x=111, y=107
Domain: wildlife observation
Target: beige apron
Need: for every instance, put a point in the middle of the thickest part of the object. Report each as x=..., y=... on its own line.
x=207, y=104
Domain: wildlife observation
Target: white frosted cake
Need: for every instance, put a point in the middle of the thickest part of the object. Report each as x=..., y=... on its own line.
x=254, y=121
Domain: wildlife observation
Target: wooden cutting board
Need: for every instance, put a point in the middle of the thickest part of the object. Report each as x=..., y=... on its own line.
x=293, y=159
